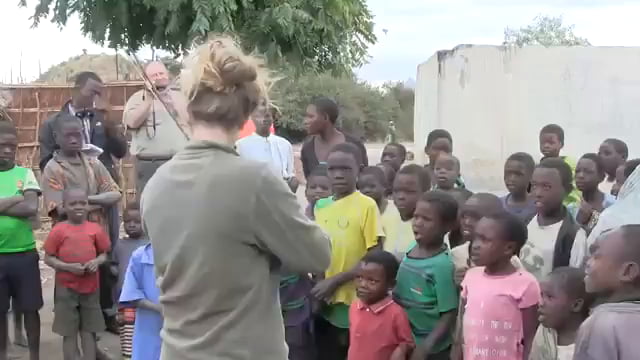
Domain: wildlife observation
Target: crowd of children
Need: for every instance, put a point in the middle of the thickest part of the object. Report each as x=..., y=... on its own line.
x=422, y=268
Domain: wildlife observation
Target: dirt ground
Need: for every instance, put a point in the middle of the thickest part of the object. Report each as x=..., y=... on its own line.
x=50, y=343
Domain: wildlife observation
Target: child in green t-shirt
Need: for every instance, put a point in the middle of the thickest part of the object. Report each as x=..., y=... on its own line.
x=425, y=285
x=19, y=269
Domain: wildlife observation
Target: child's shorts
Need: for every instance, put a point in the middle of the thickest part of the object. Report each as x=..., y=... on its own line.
x=76, y=312
x=127, y=321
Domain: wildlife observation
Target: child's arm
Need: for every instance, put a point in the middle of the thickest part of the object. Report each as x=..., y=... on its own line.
x=529, y=327
x=59, y=265
x=27, y=204
x=133, y=287
x=149, y=305
x=529, y=309
x=404, y=335
x=108, y=190
x=8, y=202
x=442, y=328
x=105, y=199
x=103, y=245
x=458, y=340
x=52, y=187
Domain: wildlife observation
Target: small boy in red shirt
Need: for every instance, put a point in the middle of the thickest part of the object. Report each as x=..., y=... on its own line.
x=378, y=327
x=75, y=249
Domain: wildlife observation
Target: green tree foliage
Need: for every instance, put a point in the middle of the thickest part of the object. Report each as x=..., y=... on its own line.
x=309, y=35
x=545, y=31
x=365, y=111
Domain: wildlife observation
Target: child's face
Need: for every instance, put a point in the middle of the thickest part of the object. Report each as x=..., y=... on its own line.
x=132, y=223
x=607, y=269
x=439, y=146
x=587, y=176
x=610, y=158
x=550, y=145
x=446, y=171
x=516, y=177
x=556, y=306
x=8, y=147
x=428, y=227
x=391, y=155
x=343, y=172
x=318, y=187
x=76, y=205
x=470, y=213
x=406, y=192
x=372, y=284
x=70, y=137
x=370, y=186
x=547, y=190
x=489, y=245
x=620, y=179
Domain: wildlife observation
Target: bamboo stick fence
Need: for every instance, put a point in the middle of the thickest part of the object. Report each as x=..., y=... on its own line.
x=32, y=104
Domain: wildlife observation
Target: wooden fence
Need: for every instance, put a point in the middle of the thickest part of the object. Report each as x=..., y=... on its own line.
x=32, y=104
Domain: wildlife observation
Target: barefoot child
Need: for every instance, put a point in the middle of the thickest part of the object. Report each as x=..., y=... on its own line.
x=499, y=303
x=613, y=271
x=518, y=170
x=410, y=183
x=564, y=306
x=379, y=328
x=425, y=286
x=352, y=220
x=19, y=268
x=120, y=260
x=613, y=152
x=140, y=291
x=75, y=248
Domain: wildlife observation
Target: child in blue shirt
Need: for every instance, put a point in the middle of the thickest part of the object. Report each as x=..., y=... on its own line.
x=139, y=289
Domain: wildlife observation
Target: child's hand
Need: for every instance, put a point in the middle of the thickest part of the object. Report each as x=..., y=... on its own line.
x=584, y=213
x=92, y=265
x=419, y=354
x=324, y=290
x=399, y=353
x=458, y=274
x=75, y=268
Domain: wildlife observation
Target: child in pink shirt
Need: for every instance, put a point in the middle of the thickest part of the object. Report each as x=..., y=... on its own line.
x=499, y=302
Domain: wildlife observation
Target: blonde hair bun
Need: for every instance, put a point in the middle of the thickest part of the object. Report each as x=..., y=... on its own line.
x=221, y=66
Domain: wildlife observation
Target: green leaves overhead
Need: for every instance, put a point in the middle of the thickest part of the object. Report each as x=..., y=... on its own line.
x=545, y=31
x=310, y=35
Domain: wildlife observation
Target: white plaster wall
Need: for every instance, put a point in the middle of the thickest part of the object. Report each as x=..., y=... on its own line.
x=494, y=100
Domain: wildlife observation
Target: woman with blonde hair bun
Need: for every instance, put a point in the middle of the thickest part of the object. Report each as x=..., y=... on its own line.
x=221, y=226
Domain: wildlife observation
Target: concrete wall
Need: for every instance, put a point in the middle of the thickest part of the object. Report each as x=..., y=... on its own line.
x=494, y=100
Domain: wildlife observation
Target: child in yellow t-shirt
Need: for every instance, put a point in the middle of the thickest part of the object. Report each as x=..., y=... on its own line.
x=352, y=220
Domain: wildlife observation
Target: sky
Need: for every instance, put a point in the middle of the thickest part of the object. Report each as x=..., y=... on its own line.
x=409, y=32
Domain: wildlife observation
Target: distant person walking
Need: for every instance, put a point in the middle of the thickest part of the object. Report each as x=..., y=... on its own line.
x=320, y=122
x=159, y=127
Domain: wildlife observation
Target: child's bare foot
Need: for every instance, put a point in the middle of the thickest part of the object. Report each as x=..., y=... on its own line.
x=20, y=339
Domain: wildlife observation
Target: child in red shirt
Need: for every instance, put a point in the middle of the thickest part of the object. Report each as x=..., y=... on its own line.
x=378, y=327
x=75, y=249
